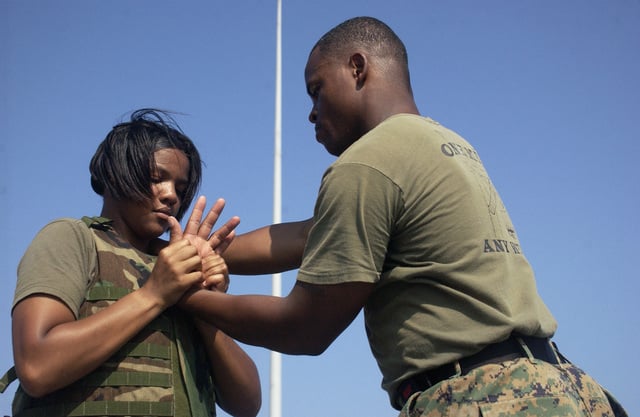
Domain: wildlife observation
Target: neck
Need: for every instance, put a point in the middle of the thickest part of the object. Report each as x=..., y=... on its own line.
x=380, y=113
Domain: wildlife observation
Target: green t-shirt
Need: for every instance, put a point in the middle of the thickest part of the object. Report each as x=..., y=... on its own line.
x=60, y=261
x=410, y=207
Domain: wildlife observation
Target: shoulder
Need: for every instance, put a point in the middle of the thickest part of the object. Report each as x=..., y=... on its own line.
x=65, y=224
x=395, y=137
x=60, y=261
x=61, y=238
x=64, y=232
x=64, y=229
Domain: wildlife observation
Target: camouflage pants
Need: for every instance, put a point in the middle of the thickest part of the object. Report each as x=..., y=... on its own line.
x=521, y=387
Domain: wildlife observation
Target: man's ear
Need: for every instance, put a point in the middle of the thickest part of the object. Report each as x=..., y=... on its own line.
x=359, y=68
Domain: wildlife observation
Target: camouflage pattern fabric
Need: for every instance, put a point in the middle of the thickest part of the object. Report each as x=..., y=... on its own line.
x=522, y=387
x=153, y=374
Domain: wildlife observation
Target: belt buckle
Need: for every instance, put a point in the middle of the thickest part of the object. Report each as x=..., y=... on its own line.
x=458, y=368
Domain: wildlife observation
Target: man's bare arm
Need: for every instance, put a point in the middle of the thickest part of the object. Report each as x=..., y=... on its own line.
x=269, y=249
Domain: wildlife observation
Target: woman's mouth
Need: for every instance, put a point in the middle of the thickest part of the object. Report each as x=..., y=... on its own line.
x=163, y=213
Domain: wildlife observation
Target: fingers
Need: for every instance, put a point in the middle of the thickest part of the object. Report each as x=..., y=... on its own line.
x=181, y=258
x=197, y=228
x=193, y=225
x=221, y=238
x=215, y=273
x=175, y=232
x=217, y=282
x=177, y=268
x=225, y=243
x=211, y=219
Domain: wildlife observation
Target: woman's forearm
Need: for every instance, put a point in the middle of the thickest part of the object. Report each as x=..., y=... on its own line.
x=235, y=373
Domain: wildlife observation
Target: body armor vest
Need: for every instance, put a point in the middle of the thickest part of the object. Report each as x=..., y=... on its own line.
x=162, y=371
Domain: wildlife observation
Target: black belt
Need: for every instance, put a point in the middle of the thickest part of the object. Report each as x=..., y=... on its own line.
x=509, y=349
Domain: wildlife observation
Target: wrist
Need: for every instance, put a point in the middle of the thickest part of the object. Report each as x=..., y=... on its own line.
x=150, y=300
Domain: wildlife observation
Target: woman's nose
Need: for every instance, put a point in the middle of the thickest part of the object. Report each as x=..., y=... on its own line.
x=168, y=193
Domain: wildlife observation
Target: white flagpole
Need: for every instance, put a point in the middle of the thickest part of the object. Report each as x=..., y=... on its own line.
x=275, y=393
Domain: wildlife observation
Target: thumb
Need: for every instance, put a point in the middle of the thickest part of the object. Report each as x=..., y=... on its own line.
x=175, y=231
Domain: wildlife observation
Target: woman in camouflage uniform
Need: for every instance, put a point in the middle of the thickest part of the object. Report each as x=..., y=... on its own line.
x=95, y=329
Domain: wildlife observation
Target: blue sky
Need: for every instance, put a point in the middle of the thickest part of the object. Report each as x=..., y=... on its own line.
x=548, y=92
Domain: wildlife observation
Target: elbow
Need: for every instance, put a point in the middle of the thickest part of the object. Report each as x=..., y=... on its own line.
x=252, y=402
x=247, y=410
x=253, y=409
x=314, y=349
x=309, y=345
x=33, y=382
x=305, y=336
x=241, y=398
x=249, y=407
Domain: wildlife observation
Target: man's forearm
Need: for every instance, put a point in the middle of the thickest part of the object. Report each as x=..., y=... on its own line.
x=270, y=249
x=257, y=320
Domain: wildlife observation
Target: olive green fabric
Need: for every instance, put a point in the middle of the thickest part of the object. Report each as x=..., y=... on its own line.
x=163, y=370
x=7, y=379
x=410, y=207
x=60, y=261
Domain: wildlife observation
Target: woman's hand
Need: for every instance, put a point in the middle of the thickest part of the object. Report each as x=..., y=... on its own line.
x=178, y=268
x=215, y=273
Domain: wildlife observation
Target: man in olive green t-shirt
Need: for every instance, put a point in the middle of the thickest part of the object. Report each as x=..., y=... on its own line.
x=408, y=227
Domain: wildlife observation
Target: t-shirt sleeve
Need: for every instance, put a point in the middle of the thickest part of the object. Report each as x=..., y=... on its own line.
x=60, y=262
x=353, y=223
